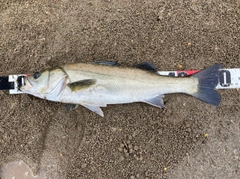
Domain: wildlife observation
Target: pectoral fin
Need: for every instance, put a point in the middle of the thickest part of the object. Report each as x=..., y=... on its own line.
x=156, y=101
x=95, y=109
x=80, y=85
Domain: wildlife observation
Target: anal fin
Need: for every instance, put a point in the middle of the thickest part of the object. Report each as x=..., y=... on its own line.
x=156, y=101
x=95, y=109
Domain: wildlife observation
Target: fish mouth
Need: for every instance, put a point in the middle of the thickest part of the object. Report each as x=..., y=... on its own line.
x=27, y=84
x=27, y=81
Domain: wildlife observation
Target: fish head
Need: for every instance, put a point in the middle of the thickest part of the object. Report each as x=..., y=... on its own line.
x=45, y=84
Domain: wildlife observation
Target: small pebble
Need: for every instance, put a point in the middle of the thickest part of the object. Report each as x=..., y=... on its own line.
x=84, y=165
x=1, y=130
x=180, y=66
x=130, y=151
x=130, y=146
x=135, y=147
x=188, y=129
x=121, y=158
x=121, y=145
x=160, y=131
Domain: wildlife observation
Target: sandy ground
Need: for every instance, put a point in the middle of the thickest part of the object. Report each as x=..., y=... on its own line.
x=186, y=139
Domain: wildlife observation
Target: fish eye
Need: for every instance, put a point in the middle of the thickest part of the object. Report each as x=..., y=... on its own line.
x=36, y=75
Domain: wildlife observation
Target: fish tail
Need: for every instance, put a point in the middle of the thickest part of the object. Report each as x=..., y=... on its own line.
x=207, y=82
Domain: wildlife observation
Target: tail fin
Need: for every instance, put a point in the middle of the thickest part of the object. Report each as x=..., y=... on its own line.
x=208, y=80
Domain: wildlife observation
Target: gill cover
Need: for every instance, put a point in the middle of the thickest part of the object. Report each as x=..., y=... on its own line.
x=46, y=84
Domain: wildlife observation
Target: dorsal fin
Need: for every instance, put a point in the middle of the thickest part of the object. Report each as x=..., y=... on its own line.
x=108, y=63
x=147, y=66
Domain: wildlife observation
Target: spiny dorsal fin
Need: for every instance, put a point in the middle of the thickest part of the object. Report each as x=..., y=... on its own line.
x=147, y=66
x=108, y=63
x=80, y=85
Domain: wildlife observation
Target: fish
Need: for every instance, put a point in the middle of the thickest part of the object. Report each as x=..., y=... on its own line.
x=98, y=84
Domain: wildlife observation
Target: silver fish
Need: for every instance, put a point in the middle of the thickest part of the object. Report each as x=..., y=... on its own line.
x=96, y=85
